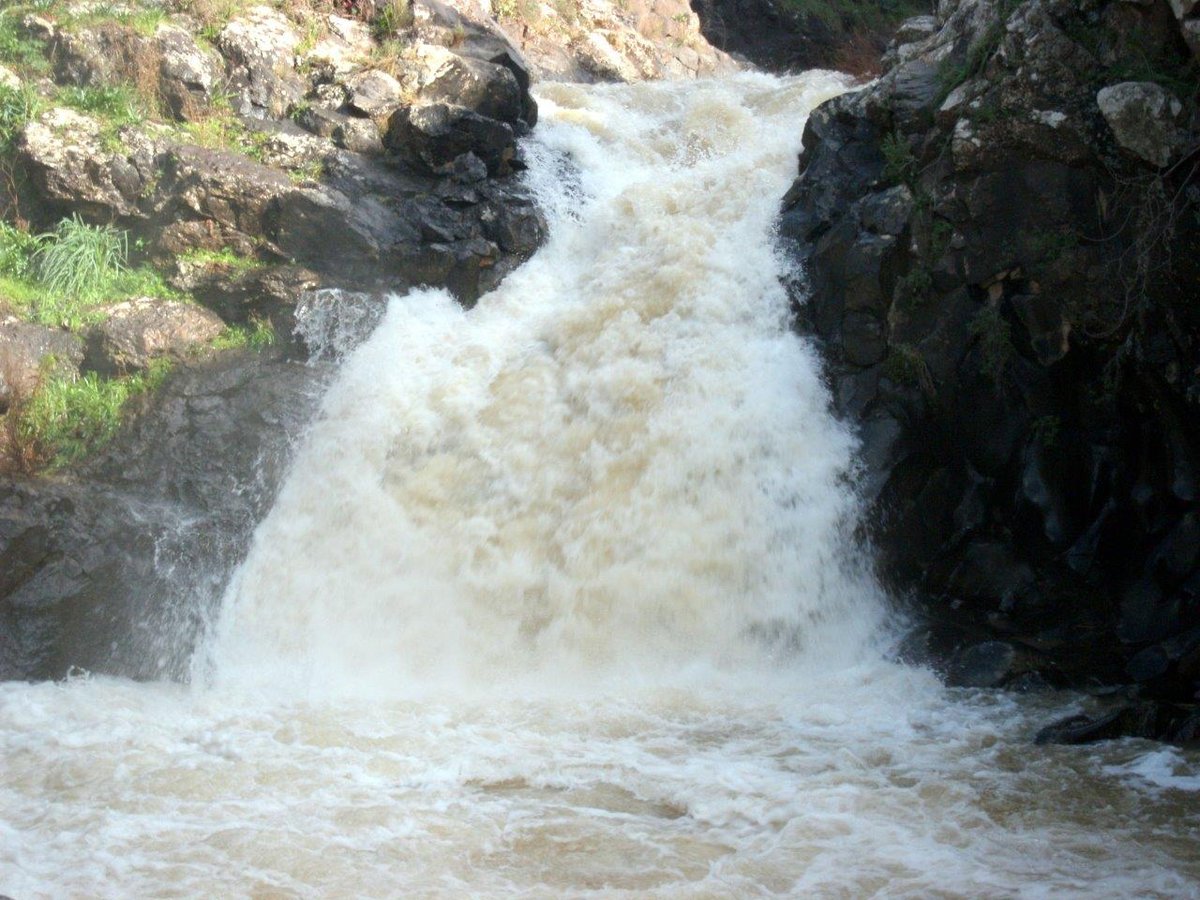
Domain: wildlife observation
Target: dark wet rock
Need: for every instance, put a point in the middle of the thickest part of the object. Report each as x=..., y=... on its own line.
x=112, y=570
x=1025, y=394
x=1144, y=719
x=985, y=665
x=433, y=136
x=29, y=353
x=136, y=332
x=239, y=294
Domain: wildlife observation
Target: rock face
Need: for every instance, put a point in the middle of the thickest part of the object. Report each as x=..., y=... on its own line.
x=790, y=37
x=1003, y=286
x=95, y=571
x=169, y=62
x=1144, y=119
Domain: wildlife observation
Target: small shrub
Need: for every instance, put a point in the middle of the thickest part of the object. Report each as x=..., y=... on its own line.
x=905, y=365
x=17, y=250
x=1045, y=431
x=394, y=16
x=899, y=163
x=953, y=71
x=913, y=288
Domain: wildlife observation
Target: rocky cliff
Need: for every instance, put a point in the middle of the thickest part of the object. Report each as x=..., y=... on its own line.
x=998, y=246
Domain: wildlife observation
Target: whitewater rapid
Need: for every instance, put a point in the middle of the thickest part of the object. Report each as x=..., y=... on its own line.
x=561, y=598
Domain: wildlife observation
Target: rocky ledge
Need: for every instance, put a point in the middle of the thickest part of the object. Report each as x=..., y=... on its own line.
x=1000, y=241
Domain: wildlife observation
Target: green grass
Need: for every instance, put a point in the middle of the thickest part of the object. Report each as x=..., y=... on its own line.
x=222, y=130
x=995, y=342
x=953, y=70
x=81, y=260
x=899, y=163
x=224, y=257
x=18, y=51
x=68, y=418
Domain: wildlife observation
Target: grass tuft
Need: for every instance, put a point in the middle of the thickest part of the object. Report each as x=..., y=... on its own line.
x=79, y=264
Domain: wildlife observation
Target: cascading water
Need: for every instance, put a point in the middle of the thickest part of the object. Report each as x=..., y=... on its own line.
x=560, y=599
x=620, y=459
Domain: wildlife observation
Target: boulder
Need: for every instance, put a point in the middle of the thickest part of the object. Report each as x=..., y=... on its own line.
x=215, y=199
x=1144, y=119
x=28, y=353
x=373, y=93
x=137, y=332
x=487, y=89
x=68, y=163
x=431, y=137
x=259, y=47
x=341, y=50
x=188, y=74
x=9, y=78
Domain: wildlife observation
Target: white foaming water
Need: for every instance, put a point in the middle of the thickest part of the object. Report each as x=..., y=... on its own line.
x=619, y=463
x=560, y=601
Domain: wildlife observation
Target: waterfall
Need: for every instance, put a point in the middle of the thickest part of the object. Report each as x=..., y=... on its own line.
x=561, y=599
x=622, y=460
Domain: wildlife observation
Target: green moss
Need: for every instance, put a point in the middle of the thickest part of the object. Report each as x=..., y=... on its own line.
x=25, y=54
x=995, y=342
x=224, y=257
x=258, y=335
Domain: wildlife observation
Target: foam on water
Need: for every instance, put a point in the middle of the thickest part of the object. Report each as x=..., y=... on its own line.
x=560, y=601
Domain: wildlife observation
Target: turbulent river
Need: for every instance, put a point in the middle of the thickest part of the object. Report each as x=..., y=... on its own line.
x=561, y=599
